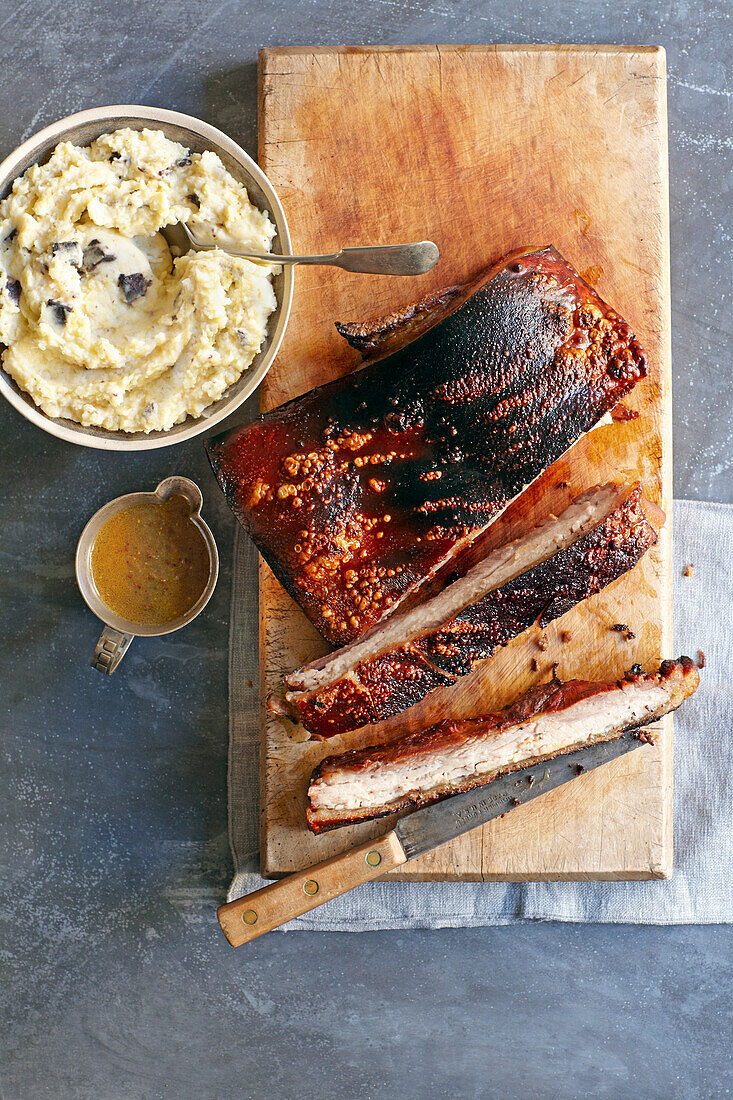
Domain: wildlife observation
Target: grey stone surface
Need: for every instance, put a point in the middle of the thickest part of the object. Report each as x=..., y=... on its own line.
x=114, y=979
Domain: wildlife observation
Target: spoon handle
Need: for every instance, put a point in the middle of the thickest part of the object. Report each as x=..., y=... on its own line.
x=383, y=259
x=388, y=259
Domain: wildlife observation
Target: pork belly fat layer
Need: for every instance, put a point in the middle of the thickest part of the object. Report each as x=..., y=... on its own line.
x=455, y=756
x=535, y=583
x=359, y=492
x=478, y=756
x=501, y=565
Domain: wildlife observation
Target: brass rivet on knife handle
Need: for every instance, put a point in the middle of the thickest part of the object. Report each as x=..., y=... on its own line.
x=273, y=905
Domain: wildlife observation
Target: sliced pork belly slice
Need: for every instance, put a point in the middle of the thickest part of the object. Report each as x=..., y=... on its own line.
x=358, y=492
x=535, y=579
x=549, y=720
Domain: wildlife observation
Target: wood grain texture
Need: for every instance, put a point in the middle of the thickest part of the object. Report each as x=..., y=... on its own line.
x=484, y=150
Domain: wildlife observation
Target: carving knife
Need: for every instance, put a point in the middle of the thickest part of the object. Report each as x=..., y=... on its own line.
x=418, y=832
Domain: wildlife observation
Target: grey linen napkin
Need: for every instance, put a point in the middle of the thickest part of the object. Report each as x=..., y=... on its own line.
x=699, y=891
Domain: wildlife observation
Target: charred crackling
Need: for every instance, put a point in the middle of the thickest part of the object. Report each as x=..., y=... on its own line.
x=378, y=338
x=453, y=756
x=358, y=492
x=371, y=681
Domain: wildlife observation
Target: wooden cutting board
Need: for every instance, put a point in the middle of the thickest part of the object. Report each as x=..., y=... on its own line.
x=485, y=149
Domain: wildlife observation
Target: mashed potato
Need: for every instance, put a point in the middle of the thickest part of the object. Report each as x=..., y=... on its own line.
x=100, y=323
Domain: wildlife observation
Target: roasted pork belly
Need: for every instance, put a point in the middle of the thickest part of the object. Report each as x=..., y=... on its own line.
x=547, y=721
x=358, y=493
x=534, y=579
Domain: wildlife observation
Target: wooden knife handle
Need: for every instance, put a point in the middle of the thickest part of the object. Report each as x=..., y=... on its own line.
x=254, y=914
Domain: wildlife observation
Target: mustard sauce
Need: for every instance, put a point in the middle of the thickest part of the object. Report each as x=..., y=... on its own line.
x=150, y=563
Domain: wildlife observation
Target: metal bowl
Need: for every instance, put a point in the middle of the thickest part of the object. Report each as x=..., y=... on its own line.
x=84, y=128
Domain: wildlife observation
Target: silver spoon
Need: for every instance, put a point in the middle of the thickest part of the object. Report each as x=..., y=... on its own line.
x=388, y=259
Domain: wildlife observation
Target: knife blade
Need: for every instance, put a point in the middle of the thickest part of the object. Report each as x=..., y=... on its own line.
x=254, y=914
x=425, y=829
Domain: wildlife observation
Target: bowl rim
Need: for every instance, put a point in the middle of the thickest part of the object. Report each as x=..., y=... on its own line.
x=119, y=440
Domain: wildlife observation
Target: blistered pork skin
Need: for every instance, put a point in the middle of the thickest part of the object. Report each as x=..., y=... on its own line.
x=359, y=491
x=549, y=720
x=536, y=579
